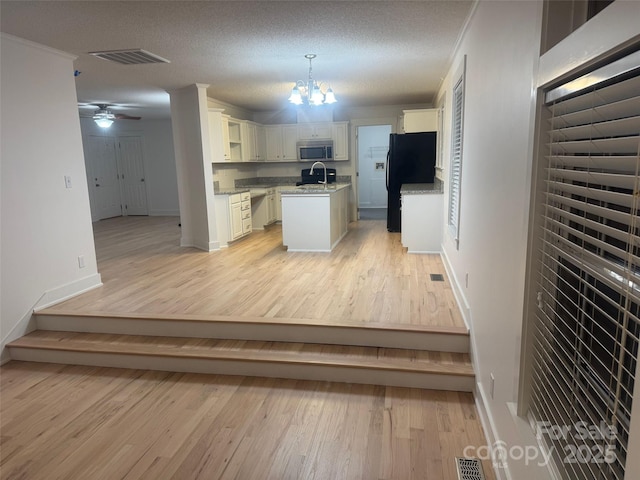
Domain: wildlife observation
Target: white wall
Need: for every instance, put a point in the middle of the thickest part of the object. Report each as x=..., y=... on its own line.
x=504, y=70
x=501, y=42
x=159, y=159
x=45, y=226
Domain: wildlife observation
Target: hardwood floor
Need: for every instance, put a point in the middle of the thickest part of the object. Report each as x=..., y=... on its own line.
x=74, y=422
x=368, y=278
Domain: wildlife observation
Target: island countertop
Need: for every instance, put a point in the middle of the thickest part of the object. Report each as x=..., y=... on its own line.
x=315, y=189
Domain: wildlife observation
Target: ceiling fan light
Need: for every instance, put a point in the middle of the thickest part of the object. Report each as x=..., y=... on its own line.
x=330, y=97
x=296, y=97
x=103, y=122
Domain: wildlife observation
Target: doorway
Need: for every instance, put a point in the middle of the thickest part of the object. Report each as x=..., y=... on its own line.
x=115, y=171
x=373, y=145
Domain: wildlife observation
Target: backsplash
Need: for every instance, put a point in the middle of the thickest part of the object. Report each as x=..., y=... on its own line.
x=245, y=182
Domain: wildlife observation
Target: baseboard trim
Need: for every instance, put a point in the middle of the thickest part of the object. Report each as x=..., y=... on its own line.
x=164, y=213
x=461, y=300
x=67, y=291
x=488, y=425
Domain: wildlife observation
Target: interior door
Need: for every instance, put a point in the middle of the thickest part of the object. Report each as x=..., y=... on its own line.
x=134, y=190
x=101, y=153
x=373, y=145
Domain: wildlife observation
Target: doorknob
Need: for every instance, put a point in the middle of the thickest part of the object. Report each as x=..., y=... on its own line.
x=97, y=184
x=142, y=179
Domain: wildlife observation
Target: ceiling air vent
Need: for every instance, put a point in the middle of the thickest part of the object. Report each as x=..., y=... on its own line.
x=130, y=57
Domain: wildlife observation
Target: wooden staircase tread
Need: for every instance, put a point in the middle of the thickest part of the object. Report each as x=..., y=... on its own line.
x=388, y=359
x=401, y=327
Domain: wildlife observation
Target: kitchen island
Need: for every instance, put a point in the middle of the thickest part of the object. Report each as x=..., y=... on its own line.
x=314, y=217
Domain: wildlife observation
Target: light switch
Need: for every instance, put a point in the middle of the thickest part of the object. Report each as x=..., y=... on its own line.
x=67, y=181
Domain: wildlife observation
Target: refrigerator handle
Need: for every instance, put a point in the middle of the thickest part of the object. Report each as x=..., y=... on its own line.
x=387, y=171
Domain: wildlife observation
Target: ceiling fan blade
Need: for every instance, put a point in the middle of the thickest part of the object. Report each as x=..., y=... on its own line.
x=122, y=116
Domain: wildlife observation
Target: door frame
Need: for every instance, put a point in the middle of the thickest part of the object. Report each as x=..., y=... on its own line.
x=355, y=151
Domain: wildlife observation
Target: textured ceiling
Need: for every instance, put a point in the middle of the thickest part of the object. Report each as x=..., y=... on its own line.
x=250, y=53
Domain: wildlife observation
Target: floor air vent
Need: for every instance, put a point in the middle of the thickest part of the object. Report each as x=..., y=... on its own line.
x=130, y=57
x=469, y=469
x=437, y=277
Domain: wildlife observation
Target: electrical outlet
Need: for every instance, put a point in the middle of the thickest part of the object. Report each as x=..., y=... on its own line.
x=67, y=181
x=493, y=385
x=81, y=261
x=466, y=280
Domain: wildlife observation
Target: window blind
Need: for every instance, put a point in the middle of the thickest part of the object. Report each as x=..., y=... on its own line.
x=587, y=321
x=455, y=176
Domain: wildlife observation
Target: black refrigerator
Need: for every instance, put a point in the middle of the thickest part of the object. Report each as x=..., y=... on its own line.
x=411, y=159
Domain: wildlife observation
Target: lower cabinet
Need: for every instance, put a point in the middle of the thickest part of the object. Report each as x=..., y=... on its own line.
x=233, y=216
x=263, y=207
x=422, y=222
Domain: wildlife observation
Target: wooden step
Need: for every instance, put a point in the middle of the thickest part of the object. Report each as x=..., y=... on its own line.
x=369, y=365
x=416, y=337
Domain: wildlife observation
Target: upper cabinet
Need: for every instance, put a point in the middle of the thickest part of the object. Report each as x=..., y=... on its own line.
x=340, y=135
x=314, y=131
x=246, y=141
x=423, y=120
x=281, y=143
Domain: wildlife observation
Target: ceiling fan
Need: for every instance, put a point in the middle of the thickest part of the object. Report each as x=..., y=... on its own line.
x=104, y=117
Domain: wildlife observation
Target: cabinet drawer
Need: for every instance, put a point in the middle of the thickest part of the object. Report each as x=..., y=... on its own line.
x=246, y=205
x=246, y=196
x=235, y=198
x=246, y=225
x=246, y=214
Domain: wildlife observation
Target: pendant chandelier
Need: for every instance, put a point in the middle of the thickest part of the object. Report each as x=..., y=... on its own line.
x=309, y=92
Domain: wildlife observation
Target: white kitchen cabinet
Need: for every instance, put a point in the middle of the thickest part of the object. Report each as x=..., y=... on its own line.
x=225, y=138
x=216, y=136
x=314, y=131
x=340, y=135
x=422, y=219
x=423, y=120
x=280, y=143
x=253, y=142
x=278, y=204
x=235, y=140
x=271, y=205
x=233, y=216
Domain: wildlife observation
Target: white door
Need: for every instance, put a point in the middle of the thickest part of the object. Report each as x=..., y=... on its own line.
x=373, y=145
x=134, y=190
x=102, y=162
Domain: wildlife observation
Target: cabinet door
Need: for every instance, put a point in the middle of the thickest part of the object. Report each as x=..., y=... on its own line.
x=340, y=141
x=261, y=143
x=225, y=138
x=313, y=131
x=289, y=139
x=323, y=130
x=273, y=140
x=248, y=142
x=236, y=220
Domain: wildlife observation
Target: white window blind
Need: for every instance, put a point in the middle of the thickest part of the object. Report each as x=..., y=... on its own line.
x=587, y=321
x=455, y=174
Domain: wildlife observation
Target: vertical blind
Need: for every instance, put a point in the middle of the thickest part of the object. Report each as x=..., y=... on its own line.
x=456, y=158
x=587, y=321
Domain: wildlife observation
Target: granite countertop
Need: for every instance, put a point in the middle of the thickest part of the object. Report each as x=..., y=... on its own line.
x=231, y=191
x=422, y=188
x=314, y=189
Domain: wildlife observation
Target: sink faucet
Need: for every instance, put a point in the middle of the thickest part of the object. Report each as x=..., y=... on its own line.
x=325, y=171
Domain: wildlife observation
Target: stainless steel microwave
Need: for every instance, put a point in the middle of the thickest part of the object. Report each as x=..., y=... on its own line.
x=314, y=150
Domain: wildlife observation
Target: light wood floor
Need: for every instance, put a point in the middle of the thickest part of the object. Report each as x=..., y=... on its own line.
x=368, y=278
x=71, y=422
